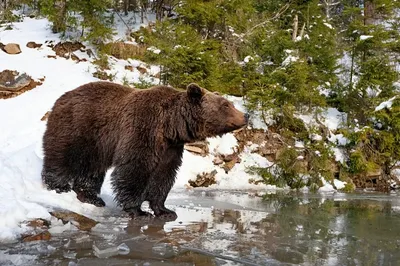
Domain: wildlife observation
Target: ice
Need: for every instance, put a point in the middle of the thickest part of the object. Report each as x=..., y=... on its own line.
x=81, y=242
x=105, y=250
x=58, y=229
x=164, y=250
x=69, y=255
x=123, y=249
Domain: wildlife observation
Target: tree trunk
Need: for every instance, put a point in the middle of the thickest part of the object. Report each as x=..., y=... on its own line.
x=302, y=30
x=295, y=27
x=126, y=5
x=369, y=13
x=142, y=10
x=59, y=25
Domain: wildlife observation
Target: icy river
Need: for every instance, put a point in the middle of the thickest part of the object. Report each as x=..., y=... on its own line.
x=235, y=228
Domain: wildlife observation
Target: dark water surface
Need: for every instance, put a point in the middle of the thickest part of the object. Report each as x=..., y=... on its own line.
x=233, y=228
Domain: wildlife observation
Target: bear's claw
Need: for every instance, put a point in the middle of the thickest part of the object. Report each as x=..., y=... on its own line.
x=91, y=199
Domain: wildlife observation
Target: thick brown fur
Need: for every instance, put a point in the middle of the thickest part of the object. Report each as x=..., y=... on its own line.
x=141, y=133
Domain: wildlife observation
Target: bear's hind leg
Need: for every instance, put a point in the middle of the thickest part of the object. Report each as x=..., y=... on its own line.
x=87, y=188
x=55, y=181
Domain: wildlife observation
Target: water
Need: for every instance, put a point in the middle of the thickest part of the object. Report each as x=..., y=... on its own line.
x=235, y=228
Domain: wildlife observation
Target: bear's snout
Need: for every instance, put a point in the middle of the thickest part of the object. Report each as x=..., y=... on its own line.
x=239, y=119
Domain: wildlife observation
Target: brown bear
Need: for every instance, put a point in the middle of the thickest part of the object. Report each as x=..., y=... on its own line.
x=141, y=133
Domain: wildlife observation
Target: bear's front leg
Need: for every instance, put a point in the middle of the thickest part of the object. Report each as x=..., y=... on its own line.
x=129, y=184
x=163, y=178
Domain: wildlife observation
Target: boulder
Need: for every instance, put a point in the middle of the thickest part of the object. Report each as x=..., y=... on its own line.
x=33, y=45
x=12, y=48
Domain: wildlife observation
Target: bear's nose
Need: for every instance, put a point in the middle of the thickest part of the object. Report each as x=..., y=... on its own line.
x=246, y=117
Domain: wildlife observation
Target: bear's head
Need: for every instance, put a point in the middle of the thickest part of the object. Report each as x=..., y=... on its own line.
x=217, y=115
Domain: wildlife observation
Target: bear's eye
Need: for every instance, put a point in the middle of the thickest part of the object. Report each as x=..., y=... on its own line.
x=226, y=105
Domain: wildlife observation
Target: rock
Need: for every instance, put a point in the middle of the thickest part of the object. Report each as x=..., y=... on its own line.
x=12, y=81
x=12, y=48
x=85, y=223
x=46, y=115
x=64, y=49
x=375, y=173
x=194, y=149
x=75, y=58
x=2, y=46
x=234, y=159
x=52, y=56
x=231, y=157
x=204, y=179
x=198, y=147
x=142, y=70
x=157, y=75
x=217, y=160
x=33, y=45
x=39, y=223
x=13, y=84
x=41, y=236
x=128, y=67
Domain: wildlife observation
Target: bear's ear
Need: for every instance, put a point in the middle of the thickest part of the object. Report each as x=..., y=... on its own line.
x=195, y=92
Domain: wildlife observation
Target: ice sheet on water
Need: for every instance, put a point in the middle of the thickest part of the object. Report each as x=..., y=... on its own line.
x=164, y=250
x=123, y=249
x=106, y=250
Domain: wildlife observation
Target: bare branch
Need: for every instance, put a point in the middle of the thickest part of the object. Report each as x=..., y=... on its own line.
x=277, y=15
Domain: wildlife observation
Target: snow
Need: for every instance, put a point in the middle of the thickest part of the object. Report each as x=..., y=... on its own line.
x=387, y=104
x=339, y=184
x=326, y=186
x=289, y=59
x=248, y=59
x=338, y=139
x=299, y=144
x=316, y=137
x=328, y=25
x=365, y=37
x=333, y=118
x=154, y=50
x=339, y=155
x=225, y=145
